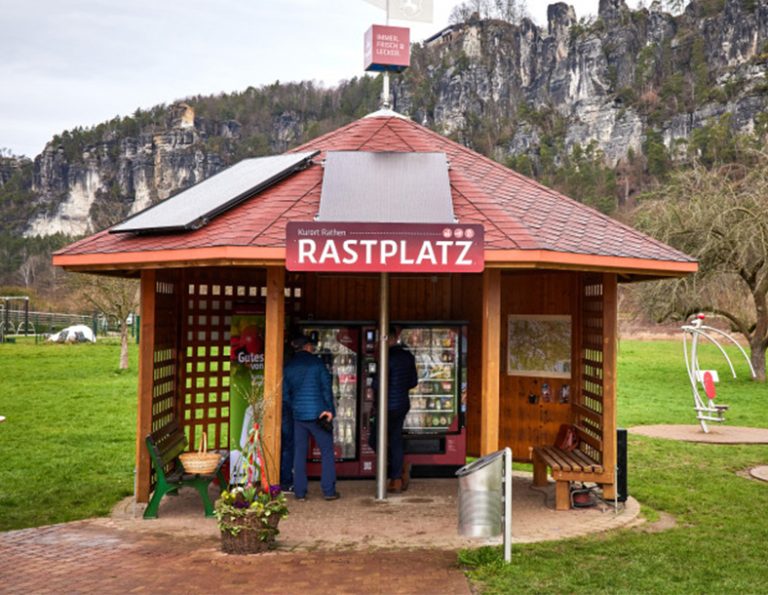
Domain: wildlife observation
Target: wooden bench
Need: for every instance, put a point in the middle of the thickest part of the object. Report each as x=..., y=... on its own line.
x=164, y=450
x=567, y=466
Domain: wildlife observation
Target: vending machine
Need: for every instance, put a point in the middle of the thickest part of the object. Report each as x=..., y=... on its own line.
x=434, y=428
x=338, y=345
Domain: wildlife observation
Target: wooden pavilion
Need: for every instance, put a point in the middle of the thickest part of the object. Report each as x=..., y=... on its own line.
x=545, y=255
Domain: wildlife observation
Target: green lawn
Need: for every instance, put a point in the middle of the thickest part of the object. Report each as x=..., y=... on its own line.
x=67, y=446
x=718, y=543
x=66, y=453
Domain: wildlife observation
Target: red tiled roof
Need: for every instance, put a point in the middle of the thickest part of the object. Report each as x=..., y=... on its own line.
x=518, y=213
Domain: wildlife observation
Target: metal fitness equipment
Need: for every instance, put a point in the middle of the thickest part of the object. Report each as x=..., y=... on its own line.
x=706, y=409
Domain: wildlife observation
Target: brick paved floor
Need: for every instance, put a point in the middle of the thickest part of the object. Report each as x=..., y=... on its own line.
x=88, y=557
x=407, y=544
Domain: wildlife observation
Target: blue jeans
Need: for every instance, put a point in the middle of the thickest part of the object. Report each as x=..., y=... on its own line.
x=395, y=421
x=286, y=449
x=301, y=432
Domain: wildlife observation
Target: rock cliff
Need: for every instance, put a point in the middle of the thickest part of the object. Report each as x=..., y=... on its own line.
x=610, y=80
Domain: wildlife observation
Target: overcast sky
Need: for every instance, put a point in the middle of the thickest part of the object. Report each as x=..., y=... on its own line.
x=68, y=63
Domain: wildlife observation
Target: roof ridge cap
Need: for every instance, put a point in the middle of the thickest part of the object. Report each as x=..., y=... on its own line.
x=386, y=113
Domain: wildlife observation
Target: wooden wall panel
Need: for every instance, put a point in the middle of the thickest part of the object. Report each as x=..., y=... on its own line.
x=528, y=417
x=356, y=297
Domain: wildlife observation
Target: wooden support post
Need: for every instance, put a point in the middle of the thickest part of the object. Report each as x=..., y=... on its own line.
x=146, y=384
x=491, y=365
x=273, y=370
x=562, y=495
x=610, y=336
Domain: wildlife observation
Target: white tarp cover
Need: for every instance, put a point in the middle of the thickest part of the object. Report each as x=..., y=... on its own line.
x=78, y=333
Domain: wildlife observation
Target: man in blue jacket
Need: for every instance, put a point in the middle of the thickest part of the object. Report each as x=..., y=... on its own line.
x=402, y=378
x=307, y=392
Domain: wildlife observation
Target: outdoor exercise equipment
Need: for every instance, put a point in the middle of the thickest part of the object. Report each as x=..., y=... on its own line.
x=706, y=408
x=6, y=324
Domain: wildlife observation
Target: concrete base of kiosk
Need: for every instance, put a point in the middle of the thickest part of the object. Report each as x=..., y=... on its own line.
x=425, y=516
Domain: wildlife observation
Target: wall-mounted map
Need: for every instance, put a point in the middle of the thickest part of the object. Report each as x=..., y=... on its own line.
x=539, y=346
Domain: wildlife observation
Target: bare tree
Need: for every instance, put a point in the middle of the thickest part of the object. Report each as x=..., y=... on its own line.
x=29, y=269
x=115, y=298
x=721, y=218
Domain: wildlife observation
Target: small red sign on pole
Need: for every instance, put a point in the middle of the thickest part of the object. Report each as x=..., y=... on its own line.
x=384, y=247
x=387, y=48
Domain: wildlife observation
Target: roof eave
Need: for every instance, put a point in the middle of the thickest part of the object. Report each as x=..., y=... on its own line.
x=631, y=268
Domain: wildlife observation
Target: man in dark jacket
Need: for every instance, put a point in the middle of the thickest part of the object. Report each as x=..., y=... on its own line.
x=402, y=378
x=307, y=392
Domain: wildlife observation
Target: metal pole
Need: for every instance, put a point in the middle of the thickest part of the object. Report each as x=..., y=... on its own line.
x=385, y=92
x=383, y=371
x=385, y=82
x=7, y=316
x=507, y=504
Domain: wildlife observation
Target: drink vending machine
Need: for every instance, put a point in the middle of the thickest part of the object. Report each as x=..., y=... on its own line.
x=434, y=428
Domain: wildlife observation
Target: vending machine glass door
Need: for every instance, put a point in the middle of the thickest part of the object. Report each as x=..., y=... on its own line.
x=434, y=401
x=338, y=348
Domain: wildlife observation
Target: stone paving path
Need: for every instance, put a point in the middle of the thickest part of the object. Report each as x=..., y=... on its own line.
x=760, y=472
x=407, y=544
x=718, y=434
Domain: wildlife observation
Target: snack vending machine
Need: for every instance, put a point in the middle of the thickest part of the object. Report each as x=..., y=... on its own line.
x=434, y=428
x=338, y=345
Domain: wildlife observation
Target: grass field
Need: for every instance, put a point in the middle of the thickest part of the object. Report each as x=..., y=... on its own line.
x=718, y=542
x=66, y=448
x=66, y=453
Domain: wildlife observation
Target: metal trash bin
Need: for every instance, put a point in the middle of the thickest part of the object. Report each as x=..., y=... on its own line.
x=480, y=496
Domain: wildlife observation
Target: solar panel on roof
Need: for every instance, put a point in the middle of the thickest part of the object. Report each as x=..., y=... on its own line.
x=361, y=186
x=194, y=207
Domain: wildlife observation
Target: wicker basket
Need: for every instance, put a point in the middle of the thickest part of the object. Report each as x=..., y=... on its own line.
x=201, y=462
x=254, y=536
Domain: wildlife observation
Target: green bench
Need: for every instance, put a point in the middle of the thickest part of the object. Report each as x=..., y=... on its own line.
x=164, y=450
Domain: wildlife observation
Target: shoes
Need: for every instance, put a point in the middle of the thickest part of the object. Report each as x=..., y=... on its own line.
x=287, y=490
x=334, y=496
x=406, y=475
x=395, y=486
x=301, y=498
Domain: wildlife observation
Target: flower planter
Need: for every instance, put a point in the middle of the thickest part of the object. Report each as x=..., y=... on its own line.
x=255, y=534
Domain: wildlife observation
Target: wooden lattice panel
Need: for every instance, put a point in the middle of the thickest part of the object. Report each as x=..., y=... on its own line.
x=207, y=315
x=590, y=405
x=164, y=356
x=211, y=296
